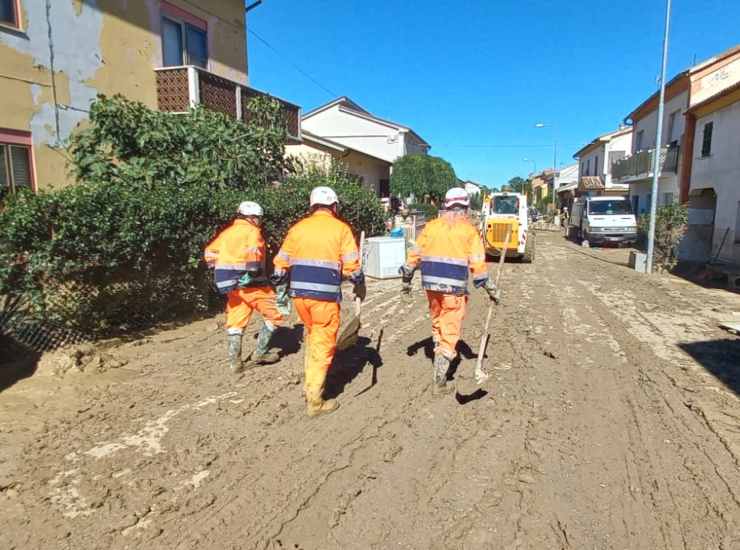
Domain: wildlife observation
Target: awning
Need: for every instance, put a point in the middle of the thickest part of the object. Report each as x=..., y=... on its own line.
x=591, y=183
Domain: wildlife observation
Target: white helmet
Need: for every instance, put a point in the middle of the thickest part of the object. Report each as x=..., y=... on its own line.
x=324, y=196
x=249, y=208
x=457, y=196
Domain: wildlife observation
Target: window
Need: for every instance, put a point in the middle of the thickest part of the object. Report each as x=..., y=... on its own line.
x=15, y=168
x=667, y=198
x=672, y=126
x=638, y=140
x=183, y=44
x=588, y=167
x=596, y=165
x=9, y=13
x=506, y=204
x=615, y=156
x=610, y=207
x=706, y=141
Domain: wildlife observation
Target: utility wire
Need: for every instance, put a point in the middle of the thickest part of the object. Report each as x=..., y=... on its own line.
x=296, y=67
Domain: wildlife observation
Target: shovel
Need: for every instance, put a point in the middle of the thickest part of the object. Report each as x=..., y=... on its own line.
x=348, y=336
x=481, y=375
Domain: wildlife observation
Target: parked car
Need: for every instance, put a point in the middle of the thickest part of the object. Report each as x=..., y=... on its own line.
x=600, y=220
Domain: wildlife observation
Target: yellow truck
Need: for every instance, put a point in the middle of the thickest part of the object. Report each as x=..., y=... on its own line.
x=500, y=212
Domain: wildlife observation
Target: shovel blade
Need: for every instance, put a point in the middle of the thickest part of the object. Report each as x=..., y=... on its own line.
x=348, y=336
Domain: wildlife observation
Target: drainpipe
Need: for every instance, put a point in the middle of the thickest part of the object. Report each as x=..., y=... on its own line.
x=57, y=122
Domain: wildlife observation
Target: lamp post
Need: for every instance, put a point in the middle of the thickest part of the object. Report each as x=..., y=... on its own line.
x=658, y=139
x=554, y=158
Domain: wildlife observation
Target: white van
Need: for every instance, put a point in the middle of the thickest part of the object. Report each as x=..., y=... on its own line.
x=603, y=220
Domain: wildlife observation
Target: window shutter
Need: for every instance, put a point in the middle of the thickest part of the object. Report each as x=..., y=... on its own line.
x=706, y=144
x=197, y=46
x=4, y=180
x=7, y=11
x=21, y=166
x=171, y=43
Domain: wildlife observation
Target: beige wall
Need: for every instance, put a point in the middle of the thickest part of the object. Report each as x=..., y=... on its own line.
x=110, y=48
x=370, y=169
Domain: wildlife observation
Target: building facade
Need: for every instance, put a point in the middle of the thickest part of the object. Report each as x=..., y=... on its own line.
x=58, y=55
x=714, y=192
x=373, y=172
x=595, y=162
x=676, y=147
x=344, y=121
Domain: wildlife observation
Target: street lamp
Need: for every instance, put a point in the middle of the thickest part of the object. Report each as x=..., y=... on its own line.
x=554, y=157
x=534, y=164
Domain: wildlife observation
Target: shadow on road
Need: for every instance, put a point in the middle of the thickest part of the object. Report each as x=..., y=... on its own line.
x=350, y=363
x=287, y=339
x=720, y=357
x=16, y=363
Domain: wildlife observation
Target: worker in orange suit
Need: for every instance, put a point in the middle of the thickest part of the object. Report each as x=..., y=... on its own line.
x=448, y=249
x=319, y=252
x=237, y=255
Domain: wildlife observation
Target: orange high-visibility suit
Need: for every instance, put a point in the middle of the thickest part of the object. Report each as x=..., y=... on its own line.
x=237, y=250
x=448, y=248
x=319, y=251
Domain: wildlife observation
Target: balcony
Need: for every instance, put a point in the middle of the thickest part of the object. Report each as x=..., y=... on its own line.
x=180, y=88
x=640, y=165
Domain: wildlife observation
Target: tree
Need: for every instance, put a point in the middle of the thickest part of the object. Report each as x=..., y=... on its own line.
x=423, y=176
x=519, y=185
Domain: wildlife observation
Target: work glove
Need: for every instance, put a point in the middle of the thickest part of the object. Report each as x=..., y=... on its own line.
x=282, y=300
x=279, y=278
x=359, y=288
x=490, y=288
x=245, y=279
x=407, y=274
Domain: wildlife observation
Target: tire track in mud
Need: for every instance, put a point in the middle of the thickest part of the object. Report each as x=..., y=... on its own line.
x=583, y=440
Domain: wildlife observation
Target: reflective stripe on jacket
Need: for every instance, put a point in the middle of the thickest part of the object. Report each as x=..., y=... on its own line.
x=237, y=250
x=319, y=251
x=447, y=249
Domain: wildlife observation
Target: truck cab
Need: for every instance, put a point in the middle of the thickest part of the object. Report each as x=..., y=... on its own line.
x=504, y=211
x=601, y=220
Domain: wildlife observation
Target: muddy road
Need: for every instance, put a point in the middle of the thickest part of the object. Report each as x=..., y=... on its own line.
x=611, y=420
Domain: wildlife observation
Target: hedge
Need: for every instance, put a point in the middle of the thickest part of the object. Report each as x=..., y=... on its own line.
x=123, y=248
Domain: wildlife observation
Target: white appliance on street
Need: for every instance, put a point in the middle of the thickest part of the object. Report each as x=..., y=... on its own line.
x=384, y=256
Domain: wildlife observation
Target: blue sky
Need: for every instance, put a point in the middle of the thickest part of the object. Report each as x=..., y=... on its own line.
x=473, y=77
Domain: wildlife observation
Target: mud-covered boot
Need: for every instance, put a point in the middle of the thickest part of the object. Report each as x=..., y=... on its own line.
x=235, y=353
x=317, y=407
x=441, y=366
x=262, y=354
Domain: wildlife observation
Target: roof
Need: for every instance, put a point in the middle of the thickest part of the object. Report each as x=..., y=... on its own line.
x=339, y=147
x=603, y=138
x=716, y=97
x=685, y=74
x=351, y=107
x=590, y=183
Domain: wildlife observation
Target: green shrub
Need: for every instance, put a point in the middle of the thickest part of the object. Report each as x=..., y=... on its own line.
x=671, y=223
x=423, y=176
x=123, y=249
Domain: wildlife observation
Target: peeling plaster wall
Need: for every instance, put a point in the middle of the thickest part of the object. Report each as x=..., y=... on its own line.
x=95, y=46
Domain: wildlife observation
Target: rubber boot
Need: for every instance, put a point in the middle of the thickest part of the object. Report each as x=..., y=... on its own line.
x=235, y=353
x=439, y=375
x=316, y=405
x=262, y=354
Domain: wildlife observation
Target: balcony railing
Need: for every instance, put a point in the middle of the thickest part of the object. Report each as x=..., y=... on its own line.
x=180, y=88
x=640, y=165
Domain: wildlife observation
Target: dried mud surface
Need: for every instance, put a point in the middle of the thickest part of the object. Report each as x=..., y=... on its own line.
x=611, y=420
